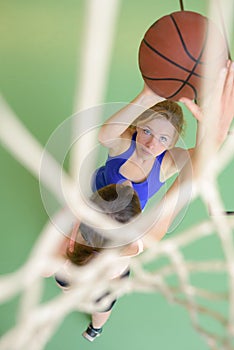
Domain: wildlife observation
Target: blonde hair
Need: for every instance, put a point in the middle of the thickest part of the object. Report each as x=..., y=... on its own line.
x=167, y=109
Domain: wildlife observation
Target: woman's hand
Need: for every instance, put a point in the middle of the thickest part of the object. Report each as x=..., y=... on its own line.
x=226, y=100
x=221, y=101
x=149, y=96
x=193, y=108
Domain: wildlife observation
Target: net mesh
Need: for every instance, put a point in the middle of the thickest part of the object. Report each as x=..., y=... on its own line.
x=167, y=267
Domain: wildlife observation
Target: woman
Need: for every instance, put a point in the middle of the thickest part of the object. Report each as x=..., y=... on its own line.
x=76, y=249
x=121, y=203
x=142, y=150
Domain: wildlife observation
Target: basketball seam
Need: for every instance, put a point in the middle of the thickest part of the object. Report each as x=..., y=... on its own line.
x=173, y=79
x=169, y=60
x=182, y=40
x=194, y=67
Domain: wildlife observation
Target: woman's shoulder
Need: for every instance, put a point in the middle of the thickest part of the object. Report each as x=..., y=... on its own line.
x=173, y=162
x=123, y=143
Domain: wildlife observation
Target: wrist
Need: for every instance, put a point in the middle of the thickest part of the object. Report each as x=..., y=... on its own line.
x=148, y=99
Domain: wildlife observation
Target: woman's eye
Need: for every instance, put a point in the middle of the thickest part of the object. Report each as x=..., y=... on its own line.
x=147, y=131
x=163, y=139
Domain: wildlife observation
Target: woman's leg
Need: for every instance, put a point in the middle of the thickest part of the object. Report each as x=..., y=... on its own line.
x=100, y=318
x=95, y=327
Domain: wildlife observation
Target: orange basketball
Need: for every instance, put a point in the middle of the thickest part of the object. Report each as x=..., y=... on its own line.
x=172, y=54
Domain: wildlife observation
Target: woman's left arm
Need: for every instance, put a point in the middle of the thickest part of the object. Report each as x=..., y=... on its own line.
x=174, y=200
x=222, y=104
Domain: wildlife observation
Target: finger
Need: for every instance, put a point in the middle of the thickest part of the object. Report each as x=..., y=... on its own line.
x=228, y=98
x=219, y=89
x=229, y=84
x=232, y=72
x=227, y=103
x=193, y=108
x=228, y=63
x=228, y=94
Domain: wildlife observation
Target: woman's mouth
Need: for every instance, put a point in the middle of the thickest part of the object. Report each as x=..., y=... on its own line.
x=146, y=151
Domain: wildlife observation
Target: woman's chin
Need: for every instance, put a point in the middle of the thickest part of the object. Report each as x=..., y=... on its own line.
x=146, y=154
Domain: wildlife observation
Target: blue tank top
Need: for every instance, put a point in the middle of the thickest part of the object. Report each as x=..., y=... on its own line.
x=109, y=174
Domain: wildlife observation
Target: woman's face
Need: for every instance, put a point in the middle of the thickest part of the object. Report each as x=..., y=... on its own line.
x=154, y=137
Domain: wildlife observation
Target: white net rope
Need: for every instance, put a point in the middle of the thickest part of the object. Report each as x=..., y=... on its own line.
x=175, y=279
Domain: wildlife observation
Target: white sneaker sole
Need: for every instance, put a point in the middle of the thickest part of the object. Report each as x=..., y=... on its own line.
x=88, y=337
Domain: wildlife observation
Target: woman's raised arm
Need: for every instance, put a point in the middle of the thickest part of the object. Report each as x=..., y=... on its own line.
x=221, y=103
x=178, y=195
x=115, y=126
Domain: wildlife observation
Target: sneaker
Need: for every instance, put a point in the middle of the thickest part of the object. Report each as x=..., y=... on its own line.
x=92, y=333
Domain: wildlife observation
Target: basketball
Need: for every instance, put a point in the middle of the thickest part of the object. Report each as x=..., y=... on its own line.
x=172, y=54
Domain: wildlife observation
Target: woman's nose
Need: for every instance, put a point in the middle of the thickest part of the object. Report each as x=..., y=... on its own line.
x=152, y=142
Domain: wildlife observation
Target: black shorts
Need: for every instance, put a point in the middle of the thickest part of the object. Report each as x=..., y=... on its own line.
x=65, y=284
